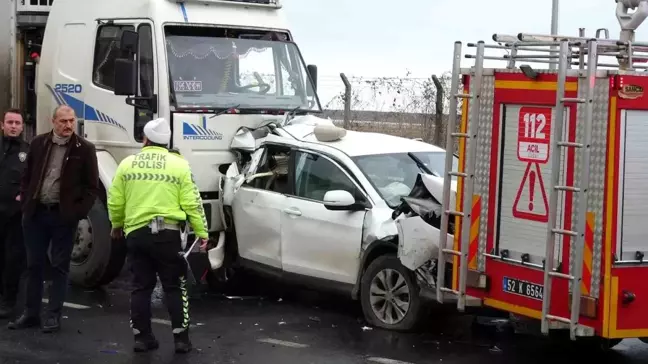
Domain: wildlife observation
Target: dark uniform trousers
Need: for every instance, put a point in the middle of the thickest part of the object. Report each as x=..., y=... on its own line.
x=150, y=254
x=13, y=153
x=13, y=257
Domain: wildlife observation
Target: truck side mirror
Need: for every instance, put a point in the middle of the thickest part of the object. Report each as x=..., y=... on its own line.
x=125, y=77
x=125, y=66
x=129, y=42
x=312, y=72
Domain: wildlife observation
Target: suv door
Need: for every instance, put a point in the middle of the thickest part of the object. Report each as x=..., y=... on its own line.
x=257, y=209
x=315, y=241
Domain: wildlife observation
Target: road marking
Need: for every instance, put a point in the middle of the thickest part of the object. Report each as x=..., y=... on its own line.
x=70, y=305
x=386, y=361
x=289, y=344
x=161, y=321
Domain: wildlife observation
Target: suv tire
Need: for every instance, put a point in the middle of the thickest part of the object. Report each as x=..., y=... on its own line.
x=395, y=303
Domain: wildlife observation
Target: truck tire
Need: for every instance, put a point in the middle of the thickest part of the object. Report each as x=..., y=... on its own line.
x=96, y=259
x=392, y=286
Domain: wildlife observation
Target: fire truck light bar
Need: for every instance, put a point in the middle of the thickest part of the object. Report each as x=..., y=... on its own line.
x=259, y=3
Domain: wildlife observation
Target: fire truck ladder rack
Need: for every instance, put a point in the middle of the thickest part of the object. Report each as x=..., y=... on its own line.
x=553, y=232
x=470, y=136
x=537, y=48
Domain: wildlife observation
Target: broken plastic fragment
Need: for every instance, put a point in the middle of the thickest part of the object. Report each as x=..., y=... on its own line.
x=366, y=328
x=242, y=297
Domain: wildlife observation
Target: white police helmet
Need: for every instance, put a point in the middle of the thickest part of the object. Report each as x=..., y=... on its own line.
x=158, y=131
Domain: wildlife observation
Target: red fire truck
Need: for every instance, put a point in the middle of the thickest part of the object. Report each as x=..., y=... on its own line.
x=553, y=181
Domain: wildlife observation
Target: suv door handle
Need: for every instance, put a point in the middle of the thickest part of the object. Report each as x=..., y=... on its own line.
x=292, y=211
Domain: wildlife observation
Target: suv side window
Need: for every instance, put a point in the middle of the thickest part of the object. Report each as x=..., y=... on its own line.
x=275, y=162
x=106, y=52
x=316, y=175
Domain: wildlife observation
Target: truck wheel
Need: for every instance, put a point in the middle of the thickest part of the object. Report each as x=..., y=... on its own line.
x=96, y=260
x=599, y=343
x=389, y=295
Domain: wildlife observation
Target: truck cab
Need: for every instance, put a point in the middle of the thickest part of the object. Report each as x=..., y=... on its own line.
x=207, y=66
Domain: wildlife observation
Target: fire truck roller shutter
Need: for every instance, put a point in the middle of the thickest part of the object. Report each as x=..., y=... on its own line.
x=525, y=173
x=633, y=168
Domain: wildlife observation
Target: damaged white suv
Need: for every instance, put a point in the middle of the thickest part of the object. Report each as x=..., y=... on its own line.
x=313, y=203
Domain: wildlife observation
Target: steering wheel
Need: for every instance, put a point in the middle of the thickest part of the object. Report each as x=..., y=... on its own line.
x=263, y=87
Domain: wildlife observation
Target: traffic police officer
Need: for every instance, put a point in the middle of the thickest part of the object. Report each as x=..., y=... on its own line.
x=153, y=192
x=13, y=155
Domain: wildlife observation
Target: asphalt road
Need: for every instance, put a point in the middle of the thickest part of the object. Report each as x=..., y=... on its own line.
x=278, y=325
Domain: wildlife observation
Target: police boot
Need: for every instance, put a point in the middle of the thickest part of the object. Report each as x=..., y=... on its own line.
x=6, y=309
x=182, y=342
x=24, y=321
x=145, y=342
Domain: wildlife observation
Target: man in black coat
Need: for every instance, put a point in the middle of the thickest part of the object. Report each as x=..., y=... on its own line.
x=13, y=154
x=59, y=186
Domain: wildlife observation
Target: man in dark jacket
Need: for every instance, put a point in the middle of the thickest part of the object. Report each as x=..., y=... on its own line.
x=13, y=155
x=59, y=186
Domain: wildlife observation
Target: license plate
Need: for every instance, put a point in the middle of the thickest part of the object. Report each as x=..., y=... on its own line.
x=522, y=288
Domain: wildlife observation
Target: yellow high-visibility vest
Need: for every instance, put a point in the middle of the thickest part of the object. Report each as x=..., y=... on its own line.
x=154, y=183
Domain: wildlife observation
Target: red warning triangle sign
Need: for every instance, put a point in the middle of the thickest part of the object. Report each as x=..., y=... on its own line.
x=531, y=199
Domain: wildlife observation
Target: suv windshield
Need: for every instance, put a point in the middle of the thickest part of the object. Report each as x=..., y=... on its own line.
x=221, y=68
x=394, y=175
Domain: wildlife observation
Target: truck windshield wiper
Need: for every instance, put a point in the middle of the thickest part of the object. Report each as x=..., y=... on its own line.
x=225, y=111
x=420, y=163
x=291, y=114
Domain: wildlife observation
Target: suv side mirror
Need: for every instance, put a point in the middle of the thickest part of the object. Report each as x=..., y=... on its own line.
x=312, y=72
x=338, y=200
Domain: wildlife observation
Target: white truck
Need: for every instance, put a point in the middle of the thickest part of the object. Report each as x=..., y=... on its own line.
x=208, y=66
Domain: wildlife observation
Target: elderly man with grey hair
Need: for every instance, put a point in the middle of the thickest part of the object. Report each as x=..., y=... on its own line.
x=59, y=187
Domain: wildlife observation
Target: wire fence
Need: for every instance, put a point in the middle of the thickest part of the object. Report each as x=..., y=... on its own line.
x=406, y=106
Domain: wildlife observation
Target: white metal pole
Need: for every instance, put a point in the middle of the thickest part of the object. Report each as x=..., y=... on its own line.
x=554, y=26
x=13, y=67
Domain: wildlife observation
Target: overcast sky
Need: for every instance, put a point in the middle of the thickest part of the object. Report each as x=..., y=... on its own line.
x=378, y=38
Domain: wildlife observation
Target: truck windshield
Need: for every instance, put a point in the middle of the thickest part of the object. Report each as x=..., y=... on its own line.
x=219, y=68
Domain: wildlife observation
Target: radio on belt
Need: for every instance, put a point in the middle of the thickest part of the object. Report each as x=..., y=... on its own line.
x=157, y=224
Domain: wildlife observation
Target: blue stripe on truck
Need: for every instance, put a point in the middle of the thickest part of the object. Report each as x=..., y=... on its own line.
x=83, y=110
x=184, y=12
